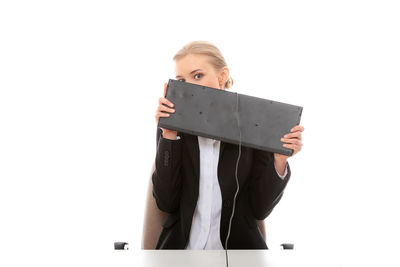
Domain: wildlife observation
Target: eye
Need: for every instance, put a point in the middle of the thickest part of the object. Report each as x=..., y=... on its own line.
x=199, y=75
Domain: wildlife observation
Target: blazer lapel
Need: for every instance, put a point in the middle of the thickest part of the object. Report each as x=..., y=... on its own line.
x=194, y=154
x=221, y=149
x=194, y=151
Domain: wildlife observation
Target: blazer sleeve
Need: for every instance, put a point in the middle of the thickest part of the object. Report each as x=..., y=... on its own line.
x=265, y=186
x=167, y=178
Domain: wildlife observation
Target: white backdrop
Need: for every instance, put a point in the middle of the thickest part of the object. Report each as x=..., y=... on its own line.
x=79, y=84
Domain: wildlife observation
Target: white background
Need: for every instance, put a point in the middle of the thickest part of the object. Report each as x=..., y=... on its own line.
x=79, y=84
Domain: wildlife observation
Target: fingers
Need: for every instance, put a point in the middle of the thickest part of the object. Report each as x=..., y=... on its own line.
x=292, y=141
x=162, y=112
x=161, y=115
x=163, y=100
x=165, y=108
x=297, y=128
x=295, y=148
x=293, y=135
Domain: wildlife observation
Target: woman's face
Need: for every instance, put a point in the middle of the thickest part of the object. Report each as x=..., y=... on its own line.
x=195, y=68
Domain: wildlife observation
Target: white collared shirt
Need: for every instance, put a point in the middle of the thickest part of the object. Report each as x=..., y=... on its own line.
x=205, y=229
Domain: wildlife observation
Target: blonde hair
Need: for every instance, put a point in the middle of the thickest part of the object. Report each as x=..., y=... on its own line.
x=206, y=48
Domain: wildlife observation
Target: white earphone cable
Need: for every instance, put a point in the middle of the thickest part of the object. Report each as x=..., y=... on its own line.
x=237, y=180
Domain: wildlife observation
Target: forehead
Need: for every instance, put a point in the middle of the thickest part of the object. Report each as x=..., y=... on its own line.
x=192, y=62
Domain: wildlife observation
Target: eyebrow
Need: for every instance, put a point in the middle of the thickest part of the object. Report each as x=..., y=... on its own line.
x=190, y=73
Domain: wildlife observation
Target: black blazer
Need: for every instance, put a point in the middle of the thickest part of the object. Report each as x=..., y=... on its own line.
x=176, y=190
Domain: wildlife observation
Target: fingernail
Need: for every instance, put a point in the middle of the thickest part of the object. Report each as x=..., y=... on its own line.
x=281, y=139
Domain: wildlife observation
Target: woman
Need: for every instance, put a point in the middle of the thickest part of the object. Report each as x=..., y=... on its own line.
x=194, y=178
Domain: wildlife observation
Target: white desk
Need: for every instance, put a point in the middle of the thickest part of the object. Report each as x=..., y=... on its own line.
x=215, y=258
